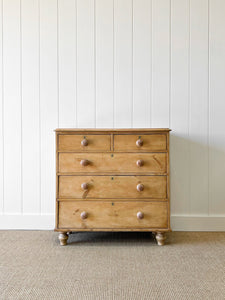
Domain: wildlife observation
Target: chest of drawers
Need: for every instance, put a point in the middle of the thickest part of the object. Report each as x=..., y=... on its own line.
x=112, y=180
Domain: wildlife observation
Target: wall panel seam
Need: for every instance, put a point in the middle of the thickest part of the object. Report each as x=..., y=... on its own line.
x=21, y=108
x=39, y=79
x=3, y=144
x=76, y=120
x=132, y=63
x=208, y=117
x=189, y=105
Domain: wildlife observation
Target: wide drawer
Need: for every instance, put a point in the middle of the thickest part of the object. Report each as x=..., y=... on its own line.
x=97, y=214
x=113, y=162
x=140, y=143
x=94, y=142
x=107, y=187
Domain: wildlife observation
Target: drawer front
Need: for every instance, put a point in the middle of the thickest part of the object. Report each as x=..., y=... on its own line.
x=113, y=162
x=139, y=143
x=88, y=214
x=109, y=187
x=84, y=143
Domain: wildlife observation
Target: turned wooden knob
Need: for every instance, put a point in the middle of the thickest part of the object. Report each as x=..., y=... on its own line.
x=139, y=142
x=140, y=163
x=83, y=215
x=84, y=142
x=84, y=186
x=140, y=187
x=84, y=162
x=140, y=215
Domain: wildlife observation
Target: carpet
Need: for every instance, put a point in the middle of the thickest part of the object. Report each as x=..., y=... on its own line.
x=111, y=265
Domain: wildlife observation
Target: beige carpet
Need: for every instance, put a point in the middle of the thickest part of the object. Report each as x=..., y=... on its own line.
x=111, y=266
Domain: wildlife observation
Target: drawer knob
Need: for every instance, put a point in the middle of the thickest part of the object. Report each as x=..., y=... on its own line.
x=140, y=187
x=140, y=215
x=84, y=186
x=140, y=163
x=83, y=215
x=84, y=162
x=84, y=142
x=139, y=142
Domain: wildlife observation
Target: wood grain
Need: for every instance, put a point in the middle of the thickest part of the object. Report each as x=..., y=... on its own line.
x=150, y=142
x=113, y=187
x=95, y=143
x=113, y=162
x=112, y=214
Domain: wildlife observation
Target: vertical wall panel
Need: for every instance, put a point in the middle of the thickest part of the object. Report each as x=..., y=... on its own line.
x=30, y=106
x=1, y=116
x=112, y=63
x=67, y=63
x=217, y=107
x=48, y=101
x=123, y=101
x=160, y=63
x=104, y=63
x=198, y=127
x=86, y=110
x=180, y=106
x=141, y=62
x=12, y=106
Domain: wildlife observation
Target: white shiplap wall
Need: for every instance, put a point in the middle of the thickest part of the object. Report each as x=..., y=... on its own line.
x=112, y=63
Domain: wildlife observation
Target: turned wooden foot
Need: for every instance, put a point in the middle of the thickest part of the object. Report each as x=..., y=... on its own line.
x=160, y=238
x=63, y=237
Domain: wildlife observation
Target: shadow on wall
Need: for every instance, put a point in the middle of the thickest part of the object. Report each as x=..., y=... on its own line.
x=197, y=175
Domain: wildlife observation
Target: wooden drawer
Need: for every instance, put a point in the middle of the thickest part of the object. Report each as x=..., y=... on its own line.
x=140, y=143
x=113, y=162
x=112, y=215
x=90, y=142
x=109, y=187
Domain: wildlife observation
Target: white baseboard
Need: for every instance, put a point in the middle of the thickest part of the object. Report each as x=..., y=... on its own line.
x=29, y=222
x=47, y=222
x=198, y=223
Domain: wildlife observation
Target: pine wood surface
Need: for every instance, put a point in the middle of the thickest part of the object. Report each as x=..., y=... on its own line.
x=113, y=162
x=112, y=180
x=102, y=214
x=101, y=187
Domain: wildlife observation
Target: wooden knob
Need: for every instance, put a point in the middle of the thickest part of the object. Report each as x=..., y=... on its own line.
x=84, y=142
x=83, y=215
x=140, y=187
x=84, y=186
x=140, y=163
x=139, y=142
x=84, y=162
x=140, y=215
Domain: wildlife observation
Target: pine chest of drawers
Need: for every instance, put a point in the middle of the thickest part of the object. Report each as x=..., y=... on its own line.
x=112, y=180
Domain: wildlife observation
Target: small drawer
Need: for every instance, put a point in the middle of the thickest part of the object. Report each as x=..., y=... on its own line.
x=118, y=214
x=140, y=143
x=84, y=143
x=113, y=163
x=112, y=187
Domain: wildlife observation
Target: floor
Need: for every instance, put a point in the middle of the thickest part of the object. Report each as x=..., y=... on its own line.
x=112, y=266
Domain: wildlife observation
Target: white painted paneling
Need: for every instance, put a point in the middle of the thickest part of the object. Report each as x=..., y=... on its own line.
x=104, y=63
x=217, y=106
x=198, y=122
x=48, y=101
x=123, y=63
x=160, y=105
x=30, y=106
x=86, y=93
x=180, y=106
x=112, y=63
x=12, y=106
x=141, y=62
x=1, y=117
x=67, y=16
